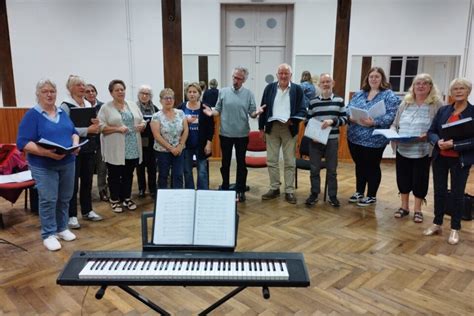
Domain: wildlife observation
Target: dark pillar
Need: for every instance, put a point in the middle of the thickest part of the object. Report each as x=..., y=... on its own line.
x=341, y=45
x=203, y=69
x=366, y=65
x=6, y=66
x=172, y=47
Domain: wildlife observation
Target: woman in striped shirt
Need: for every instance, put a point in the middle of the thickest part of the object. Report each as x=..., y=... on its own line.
x=413, y=118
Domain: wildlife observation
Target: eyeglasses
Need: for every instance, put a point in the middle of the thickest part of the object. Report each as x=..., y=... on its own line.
x=422, y=84
x=167, y=98
x=238, y=78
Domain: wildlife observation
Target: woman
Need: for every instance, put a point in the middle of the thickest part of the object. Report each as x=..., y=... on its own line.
x=85, y=161
x=53, y=173
x=413, y=118
x=145, y=103
x=100, y=167
x=367, y=150
x=451, y=156
x=121, y=123
x=199, y=141
x=309, y=89
x=170, y=130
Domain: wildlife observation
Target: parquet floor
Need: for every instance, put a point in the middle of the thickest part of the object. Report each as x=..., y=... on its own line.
x=361, y=261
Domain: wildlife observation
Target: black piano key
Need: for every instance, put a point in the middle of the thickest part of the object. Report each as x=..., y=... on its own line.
x=281, y=265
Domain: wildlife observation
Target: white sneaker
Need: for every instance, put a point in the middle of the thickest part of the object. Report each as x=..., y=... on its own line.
x=73, y=223
x=92, y=216
x=67, y=235
x=52, y=243
x=116, y=207
x=129, y=204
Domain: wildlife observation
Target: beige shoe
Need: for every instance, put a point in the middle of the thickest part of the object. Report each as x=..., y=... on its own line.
x=453, y=237
x=432, y=230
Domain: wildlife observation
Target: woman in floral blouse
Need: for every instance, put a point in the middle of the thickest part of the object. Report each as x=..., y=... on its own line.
x=170, y=130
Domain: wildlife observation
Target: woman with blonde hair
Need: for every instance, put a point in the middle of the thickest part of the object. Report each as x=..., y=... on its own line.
x=453, y=157
x=413, y=118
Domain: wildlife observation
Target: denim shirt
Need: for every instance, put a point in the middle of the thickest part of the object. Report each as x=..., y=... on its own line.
x=361, y=135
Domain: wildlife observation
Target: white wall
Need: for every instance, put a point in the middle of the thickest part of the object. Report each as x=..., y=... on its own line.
x=98, y=40
x=107, y=39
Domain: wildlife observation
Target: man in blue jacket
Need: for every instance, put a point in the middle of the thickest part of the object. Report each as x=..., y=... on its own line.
x=280, y=120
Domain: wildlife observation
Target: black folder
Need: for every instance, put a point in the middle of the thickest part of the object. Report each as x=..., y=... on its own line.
x=458, y=130
x=81, y=117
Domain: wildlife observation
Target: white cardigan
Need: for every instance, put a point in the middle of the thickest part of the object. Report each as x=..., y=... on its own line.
x=113, y=145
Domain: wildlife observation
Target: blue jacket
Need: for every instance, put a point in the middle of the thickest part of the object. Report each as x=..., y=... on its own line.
x=464, y=147
x=297, y=111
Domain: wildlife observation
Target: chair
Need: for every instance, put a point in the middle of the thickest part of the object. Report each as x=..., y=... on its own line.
x=256, y=144
x=11, y=160
x=302, y=162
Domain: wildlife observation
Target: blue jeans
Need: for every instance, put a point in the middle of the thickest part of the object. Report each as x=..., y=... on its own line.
x=442, y=166
x=55, y=186
x=167, y=161
x=202, y=173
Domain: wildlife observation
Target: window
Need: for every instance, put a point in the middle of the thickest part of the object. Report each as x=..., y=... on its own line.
x=403, y=70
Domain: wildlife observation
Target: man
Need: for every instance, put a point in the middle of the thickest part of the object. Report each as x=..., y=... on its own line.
x=283, y=104
x=234, y=105
x=145, y=103
x=330, y=110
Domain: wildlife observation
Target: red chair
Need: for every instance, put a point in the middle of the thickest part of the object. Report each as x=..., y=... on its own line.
x=10, y=159
x=256, y=144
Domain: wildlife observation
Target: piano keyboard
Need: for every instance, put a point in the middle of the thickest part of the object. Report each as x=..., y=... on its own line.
x=210, y=269
x=192, y=268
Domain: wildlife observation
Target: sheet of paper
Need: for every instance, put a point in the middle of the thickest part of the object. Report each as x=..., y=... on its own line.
x=358, y=114
x=378, y=109
x=16, y=177
x=215, y=218
x=174, y=217
x=314, y=131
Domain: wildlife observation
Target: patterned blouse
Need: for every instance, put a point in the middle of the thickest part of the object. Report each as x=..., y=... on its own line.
x=170, y=130
x=361, y=135
x=131, y=143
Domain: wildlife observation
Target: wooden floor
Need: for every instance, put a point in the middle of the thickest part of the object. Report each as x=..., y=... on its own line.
x=361, y=261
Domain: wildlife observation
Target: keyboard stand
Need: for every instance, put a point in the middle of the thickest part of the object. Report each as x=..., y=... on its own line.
x=100, y=293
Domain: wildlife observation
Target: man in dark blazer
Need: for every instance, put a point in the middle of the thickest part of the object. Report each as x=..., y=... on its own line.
x=279, y=121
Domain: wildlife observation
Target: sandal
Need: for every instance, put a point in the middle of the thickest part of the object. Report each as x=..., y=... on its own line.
x=418, y=217
x=401, y=213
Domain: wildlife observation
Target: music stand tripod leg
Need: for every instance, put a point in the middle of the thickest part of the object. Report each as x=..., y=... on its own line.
x=144, y=300
x=222, y=300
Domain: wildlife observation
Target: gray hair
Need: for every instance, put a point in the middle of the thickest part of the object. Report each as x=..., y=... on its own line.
x=243, y=70
x=285, y=66
x=463, y=82
x=145, y=87
x=42, y=83
x=73, y=80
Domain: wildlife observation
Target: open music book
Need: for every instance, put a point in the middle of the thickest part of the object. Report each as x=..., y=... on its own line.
x=61, y=150
x=378, y=109
x=390, y=134
x=196, y=218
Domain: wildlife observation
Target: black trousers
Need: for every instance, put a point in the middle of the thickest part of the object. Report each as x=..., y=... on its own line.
x=368, y=173
x=413, y=174
x=442, y=166
x=240, y=144
x=149, y=164
x=84, y=170
x=120, y=178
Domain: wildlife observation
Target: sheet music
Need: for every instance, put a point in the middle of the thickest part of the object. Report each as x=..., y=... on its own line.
x=378, y=109
x=215, y=218
x=358, y=114
x=16, y=177
x=174, y=217
x=393, y=135
x=314, y=131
